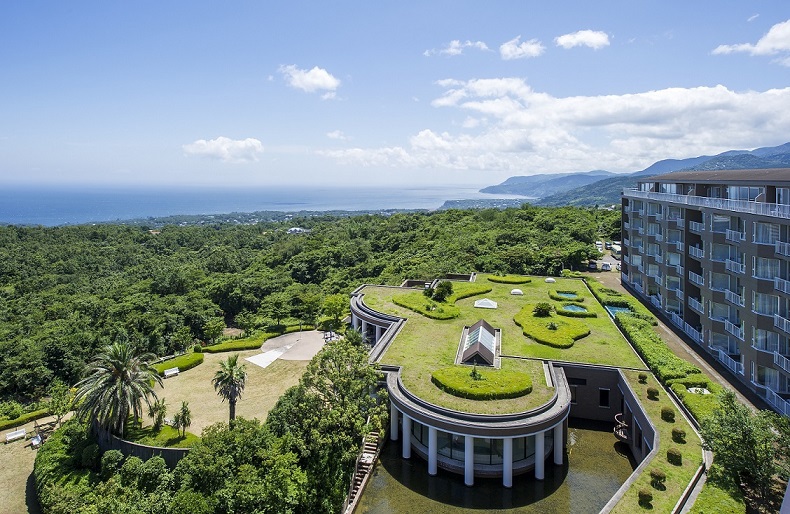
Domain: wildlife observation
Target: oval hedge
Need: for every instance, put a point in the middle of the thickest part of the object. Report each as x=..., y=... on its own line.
x=575, y=314
x=182, y=362
x=568, y=330
x=509, y=279
x=555, y=295
x=494, y=384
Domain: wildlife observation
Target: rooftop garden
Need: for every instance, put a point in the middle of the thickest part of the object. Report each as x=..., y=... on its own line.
x=426, y=345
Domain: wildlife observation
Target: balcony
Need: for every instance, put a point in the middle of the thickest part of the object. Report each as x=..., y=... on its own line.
x=782, y=324
x=697, y=279
x=624, y=277
x=783, y=248
x=735, y=266
x=733, y=329
x=678, y=244
x=638, y=288
x=760, y=208
x=626, y=225
x=735, y=236
x=696, y=226
x=782, y=285
x=659, y=237
x=639, y=212
x=782, y=361
x=680, y=222
x=678, y=269
x=656, y=300
x=733, y=365
x=693, y=333
x=696, y=305
x=733, y=298
x=626, y=242
x=696, y=252
x=658, y=215
x=640, y=231
x=778, y=403
x=676, y=319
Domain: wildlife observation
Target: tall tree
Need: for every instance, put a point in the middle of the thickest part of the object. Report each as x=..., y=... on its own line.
x=60, y=400
x=117, y=384
x=335, y=306
x=183, y=419
x=229, y=382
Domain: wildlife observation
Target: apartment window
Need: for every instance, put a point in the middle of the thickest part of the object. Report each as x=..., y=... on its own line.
x=783, y=195
x=573, y=394
x=744, y=193
x=673, y=282
x=765, y=303
x=673, y=305
x=720, y=223
x=766, y=233
x=653, y=249
x=636, y=260
x=719, y=252
x=765, y=340
x=673, y=259
x=652, y=270
x=674, y=236
x=766, y=268
x=674, y=213
x=603, y=398
x=724, y=342
x=719, y=310
x=669, y=188
x=719, y=281
x=653, y=229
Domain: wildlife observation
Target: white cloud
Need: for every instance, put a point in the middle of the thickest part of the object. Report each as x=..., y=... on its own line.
x=310, y=81
x=456, y=47
x=527, y=131
x=338, y=135
x=595, y=39
x=775, y=42
x=515, y=49
x=752, y=17
x=226, y=149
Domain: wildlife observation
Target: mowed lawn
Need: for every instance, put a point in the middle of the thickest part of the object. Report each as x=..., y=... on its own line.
x=263, y=388
x=425, y=345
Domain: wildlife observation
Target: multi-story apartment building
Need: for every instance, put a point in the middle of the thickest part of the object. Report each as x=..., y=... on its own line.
x=711, y=251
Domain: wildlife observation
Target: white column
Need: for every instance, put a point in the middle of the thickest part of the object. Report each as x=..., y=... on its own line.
x=540, y=456
x=406, y=436
x=558, y=446
x=469, y=460
x=378, y=334
x=507, y=462
x=432, y=451
x=364, y=329
x=393, y=422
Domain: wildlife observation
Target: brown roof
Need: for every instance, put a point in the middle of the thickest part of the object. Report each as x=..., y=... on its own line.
x=761, y=176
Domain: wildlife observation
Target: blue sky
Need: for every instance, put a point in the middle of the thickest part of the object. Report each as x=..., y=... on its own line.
x=256, y=93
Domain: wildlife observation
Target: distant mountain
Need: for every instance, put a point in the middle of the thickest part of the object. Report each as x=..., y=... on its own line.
x=607, y=191
x=537, y=186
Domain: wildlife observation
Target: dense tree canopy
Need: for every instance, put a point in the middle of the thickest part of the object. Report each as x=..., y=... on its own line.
x=66, y=292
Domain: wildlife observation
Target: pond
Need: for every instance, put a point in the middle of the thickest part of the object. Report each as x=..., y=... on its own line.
x=596, y=466
x=614, y=310
x=567, y=295
x=574, y=308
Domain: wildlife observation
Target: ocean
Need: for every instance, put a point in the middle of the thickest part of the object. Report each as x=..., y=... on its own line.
x=51, y=206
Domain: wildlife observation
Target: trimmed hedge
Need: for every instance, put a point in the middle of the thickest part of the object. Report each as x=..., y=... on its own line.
x=24, y=418
x=509, y=279
x=701, y=406
x=555, y=295
x=494, y=384
x=665, y=364
x=182, y=362
x=568, y=331
x=429, y=308
x=251, y=343
x=575, y=314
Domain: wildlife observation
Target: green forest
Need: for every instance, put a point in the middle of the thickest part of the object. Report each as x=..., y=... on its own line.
x=67, y=291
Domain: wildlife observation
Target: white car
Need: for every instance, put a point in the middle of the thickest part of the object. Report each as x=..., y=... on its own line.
x=606, y=267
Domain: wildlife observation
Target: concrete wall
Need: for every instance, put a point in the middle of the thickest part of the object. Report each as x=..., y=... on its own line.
x=107, y=441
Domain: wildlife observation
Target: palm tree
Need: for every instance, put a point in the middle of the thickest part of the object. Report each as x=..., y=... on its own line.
x=229, y=382
x=157, y=412
x=182, y=419
x=118, y=382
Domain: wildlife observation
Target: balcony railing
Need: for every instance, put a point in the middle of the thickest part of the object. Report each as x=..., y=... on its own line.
x=678, y=269
x=680, y=222
x=782, y=285
x=626, y=225
x=782, y=324
x=676, y=319
x=782, y=361
x=761, y=208
x=779, y=403
x=638, y=288
x=679, y=245
x=783, y=248
x=696, y=305
x=659, y=237
x=693, y=333
x=733, y=329
x=640, y=230
x=656, y=300
x=733, y=297
x=697, y=279
x=735, y=236
x=658, y=215
x=696, y=252
x=677, y=291
x=639, y=212
x=735, y=266
x=732, y=364
x=696, y=226
x=624, y=277
x=626, y=242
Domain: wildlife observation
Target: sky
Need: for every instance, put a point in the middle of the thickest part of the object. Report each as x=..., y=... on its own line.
x=243, y=93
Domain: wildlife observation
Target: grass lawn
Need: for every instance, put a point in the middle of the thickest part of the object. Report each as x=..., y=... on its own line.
x=678, y=477
x=167, y=437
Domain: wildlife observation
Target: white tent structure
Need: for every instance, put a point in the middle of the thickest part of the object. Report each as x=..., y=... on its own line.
x=550, y=280
x=485, y=303
x=518, y=292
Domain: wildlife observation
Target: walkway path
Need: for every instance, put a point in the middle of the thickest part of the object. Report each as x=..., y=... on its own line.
x=679, y=347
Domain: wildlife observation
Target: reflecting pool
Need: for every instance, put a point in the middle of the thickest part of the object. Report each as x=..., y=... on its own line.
x=567, y=295
x=597, y=465
x=614, y=310
x=574, y=308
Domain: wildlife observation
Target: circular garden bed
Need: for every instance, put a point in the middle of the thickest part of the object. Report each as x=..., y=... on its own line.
x=490, y=384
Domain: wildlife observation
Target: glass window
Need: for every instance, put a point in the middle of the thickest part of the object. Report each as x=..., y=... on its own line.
x=603, y=398
x=573, y=394
x=765, y=303
x=766, y=233
x=766, y=268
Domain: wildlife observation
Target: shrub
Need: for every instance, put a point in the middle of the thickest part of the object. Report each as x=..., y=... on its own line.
x=645, y=497
x=568, y=330
x=11, y=409
x=443, y=291
x=151, y=472
x=542, y=310
x=131, y=471
x=551, y=325
x=491, y=384
x=182, y=362
x=679, y=435
x=643, y=378
x=674, y=457
x=90, y=457
x=509, y=279
x=657, y=478
x=668, y=414
x=110, y=463
x=652, y=393
x=197, y=348
x=24, y=418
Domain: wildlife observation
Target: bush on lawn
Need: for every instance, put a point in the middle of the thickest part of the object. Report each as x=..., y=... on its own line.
x=657, y=479
x=668, y=414
x=679, y=435
x=645, y=497
x=674, y=457
x=652, y=393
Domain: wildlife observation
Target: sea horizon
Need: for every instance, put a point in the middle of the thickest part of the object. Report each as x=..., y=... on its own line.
x=71, y=205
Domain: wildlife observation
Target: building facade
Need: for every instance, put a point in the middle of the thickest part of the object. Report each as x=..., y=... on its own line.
x=711, y=251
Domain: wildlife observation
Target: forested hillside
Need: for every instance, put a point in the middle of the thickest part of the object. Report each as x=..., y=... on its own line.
x=66, y=291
